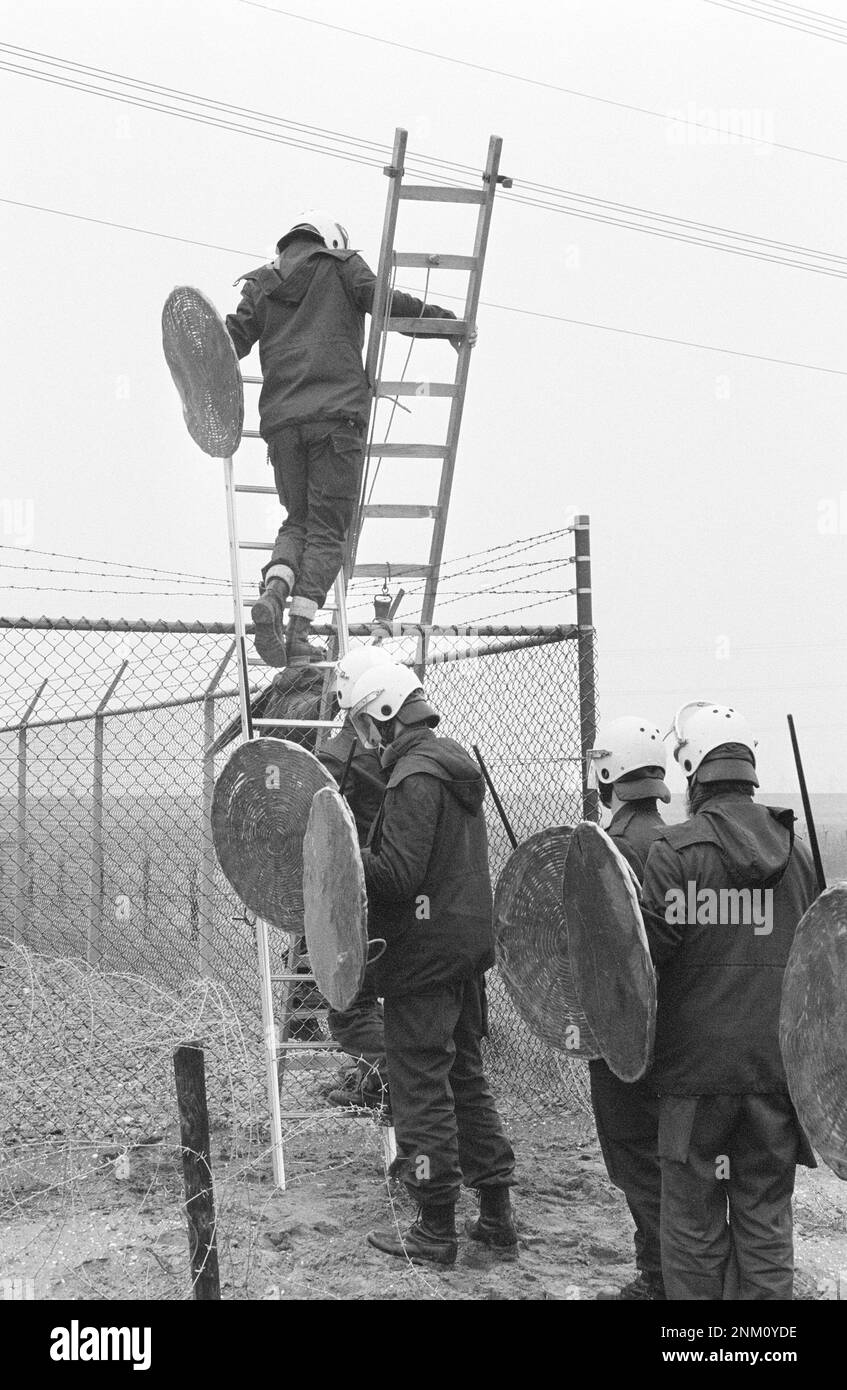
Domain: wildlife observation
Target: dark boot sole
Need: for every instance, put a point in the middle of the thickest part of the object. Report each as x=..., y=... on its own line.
x=314, y=659
x=502, y=1244
x=408, y=1252
x=269, y=618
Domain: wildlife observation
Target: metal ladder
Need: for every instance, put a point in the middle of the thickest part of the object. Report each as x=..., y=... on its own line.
x=278, y=1043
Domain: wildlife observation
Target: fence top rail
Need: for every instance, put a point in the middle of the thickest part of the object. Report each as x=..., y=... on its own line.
x=562, y=632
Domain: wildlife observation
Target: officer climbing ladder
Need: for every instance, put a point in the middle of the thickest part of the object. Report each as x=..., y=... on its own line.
x=314, y=408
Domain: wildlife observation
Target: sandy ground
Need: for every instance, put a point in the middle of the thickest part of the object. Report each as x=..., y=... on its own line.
x=94, y=1223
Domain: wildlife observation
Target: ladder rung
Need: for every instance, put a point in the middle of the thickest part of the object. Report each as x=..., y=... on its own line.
x=255, y=487
x=307, y=1013
x=433, y=193
x=422, y=260
x=407, y=451
x=254, y=434
x=298, y=723
x=291, y=977
x=397, y=571
x=317, y=1046
x=255, y=545
x=253, y=380
x=427, y=328
x=417, y=388
x=397, y=509
x=313, y=665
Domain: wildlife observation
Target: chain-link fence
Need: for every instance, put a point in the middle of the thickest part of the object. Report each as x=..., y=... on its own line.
x=130, y=936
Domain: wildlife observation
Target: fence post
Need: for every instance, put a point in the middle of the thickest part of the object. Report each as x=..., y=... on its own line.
x=190, y=1076
x=20, y=820
x=95, y=897
x=206, y=891
x=585, y=658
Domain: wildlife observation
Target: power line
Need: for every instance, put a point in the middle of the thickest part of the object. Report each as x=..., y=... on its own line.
x=785, y=19
x=661, y=338
x=537, y=82
x=546, y=197
x=371, y=147
x=627, y=209
x=813, y=15
x=124, y=227
x=488, y=304
x=170, y=110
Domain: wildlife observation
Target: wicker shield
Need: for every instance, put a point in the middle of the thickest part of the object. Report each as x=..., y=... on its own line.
x=204, y=366
x=532, y=943
x=334, y=899
x=260, y=811
x=613, y=972
x=813, y=1025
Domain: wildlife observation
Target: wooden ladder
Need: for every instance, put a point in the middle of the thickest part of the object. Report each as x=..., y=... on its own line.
x=382, y=322
x=278, y=1042
x=279, y=1045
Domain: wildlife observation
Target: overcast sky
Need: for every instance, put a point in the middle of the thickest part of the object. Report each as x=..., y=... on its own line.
x=713, y=481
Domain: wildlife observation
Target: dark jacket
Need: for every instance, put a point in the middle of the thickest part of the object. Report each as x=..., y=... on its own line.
x=426, y=868
x=720, y=984
x=634, y=827
x=366, y=779
x=308, y=317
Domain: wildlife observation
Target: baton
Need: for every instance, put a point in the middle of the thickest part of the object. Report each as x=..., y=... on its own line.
x=807, y=807
x=495, y=798
x=345, y=774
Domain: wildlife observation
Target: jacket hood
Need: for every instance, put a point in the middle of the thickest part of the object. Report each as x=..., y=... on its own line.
x=421, y=750
x=755, y=842
x=287, y=278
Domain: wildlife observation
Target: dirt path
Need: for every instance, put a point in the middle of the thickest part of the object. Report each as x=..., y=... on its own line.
x=76, y=1230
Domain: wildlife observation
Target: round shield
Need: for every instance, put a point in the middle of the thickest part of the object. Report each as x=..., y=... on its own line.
x=260, y=811
x=613, y=973
x=334, y=899
x=204, y=366
x=813, y=1025
x=532, y=943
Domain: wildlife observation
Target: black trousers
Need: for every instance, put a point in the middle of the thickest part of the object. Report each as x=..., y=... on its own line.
x=316, y=470
x=447, y=1126
x=627, y=1118
x=360, y=1030
x=728, y=1167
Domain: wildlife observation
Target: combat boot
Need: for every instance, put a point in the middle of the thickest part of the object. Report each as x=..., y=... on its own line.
x=365, y=1093
x=268, y=614
x=299, y=650
x=430, y=1239
x=494, y=1225
x=644, y=1288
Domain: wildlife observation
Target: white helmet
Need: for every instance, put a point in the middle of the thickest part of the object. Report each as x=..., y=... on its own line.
x=332, y=234
x=628, y=745
x=699, y=728
x=383, y=693
x=354, y=664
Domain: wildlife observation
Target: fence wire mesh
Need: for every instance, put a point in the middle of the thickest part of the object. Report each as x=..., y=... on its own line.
x=129, y=938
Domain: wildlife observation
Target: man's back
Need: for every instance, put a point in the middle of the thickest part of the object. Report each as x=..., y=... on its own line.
x=429, y=885
x=633, y=828
x=310, y=332
x=722, y=896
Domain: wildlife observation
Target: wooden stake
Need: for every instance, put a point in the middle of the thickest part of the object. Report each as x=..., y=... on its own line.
x=495, y=798
x=190, y=1074
x=807, y=807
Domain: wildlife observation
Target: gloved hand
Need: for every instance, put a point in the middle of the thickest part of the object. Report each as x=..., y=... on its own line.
x=470, y=339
